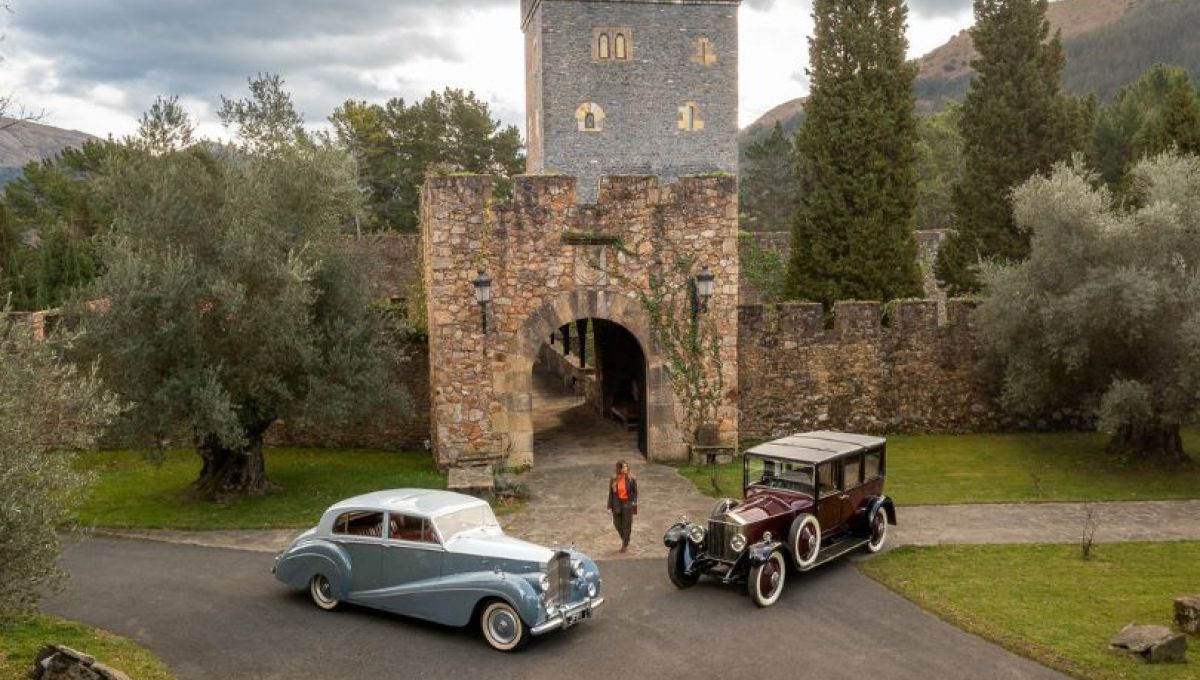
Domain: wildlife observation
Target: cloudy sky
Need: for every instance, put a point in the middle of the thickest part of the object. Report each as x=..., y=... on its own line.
x=95, y=65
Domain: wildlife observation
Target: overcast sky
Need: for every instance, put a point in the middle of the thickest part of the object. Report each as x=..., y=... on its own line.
x=95, y=65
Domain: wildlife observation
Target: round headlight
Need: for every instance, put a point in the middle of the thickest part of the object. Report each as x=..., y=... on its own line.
x=544, y=583
x=738, y=543
x=577, y=568
x=696, y=533
x=766, y=535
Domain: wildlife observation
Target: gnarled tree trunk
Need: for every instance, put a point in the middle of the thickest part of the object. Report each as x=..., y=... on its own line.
x=1157, y=444
x=233, y=472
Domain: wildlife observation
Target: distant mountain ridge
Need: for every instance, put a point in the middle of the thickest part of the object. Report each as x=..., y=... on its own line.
x=22, y=141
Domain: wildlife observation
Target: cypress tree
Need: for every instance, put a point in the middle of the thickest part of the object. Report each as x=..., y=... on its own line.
x=1015, y=123
x=856, y=155
x=768, y=183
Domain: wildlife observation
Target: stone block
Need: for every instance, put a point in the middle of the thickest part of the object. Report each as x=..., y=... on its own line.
x=1187, y=614
x=1150, y=644
x=473, y=480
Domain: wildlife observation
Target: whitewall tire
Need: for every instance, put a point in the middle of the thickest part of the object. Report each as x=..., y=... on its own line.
x=321, y=591
x=877, y=532
x=502, y=627
x=767, y=579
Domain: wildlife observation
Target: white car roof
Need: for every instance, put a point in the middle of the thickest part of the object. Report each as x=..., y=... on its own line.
x=418, y=502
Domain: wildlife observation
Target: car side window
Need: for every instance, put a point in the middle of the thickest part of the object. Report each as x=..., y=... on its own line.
x=359, y=523
x=408, y=528
x=874, y=465
x=852, y=472
x=827, y=478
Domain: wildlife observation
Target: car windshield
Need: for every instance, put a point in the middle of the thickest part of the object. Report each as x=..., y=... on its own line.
x=467, y=519
x=779, y=474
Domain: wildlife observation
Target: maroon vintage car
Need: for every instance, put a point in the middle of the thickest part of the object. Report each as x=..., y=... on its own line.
x=808, y=499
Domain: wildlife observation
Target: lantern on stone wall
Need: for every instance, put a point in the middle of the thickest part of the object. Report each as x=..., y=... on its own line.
x=706, y=285
x=483, y=295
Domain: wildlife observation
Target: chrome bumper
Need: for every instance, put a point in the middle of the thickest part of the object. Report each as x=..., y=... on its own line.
x=569, y=616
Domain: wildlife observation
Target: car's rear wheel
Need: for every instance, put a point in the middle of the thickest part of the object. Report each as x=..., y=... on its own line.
x=502, y=627
x=805, y=540
x=321, y=591
x=676, y=570
x=766, y=580
x=878, y=531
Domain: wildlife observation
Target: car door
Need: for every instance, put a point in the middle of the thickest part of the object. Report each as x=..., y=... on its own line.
x=359, y=533
x=831, y=499
x=852, y=484
x=412, y=566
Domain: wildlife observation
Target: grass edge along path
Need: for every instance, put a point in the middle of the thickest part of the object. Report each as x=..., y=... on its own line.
x=23, y=637
x=1003, y=468
x=130, y=491
x=1046, y=603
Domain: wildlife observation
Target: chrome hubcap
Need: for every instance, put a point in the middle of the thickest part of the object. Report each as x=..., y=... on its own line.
x=503, y=626
x=324, y=589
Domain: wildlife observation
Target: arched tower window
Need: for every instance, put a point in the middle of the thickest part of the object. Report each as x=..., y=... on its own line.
x=620, y=49
x=705, y=54
x=602, y=46
x=589, y=117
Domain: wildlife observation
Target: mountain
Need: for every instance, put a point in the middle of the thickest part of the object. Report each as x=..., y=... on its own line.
x=23, y=141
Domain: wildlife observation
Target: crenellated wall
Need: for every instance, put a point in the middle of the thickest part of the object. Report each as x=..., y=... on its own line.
x=552, y=262
x=861, y=369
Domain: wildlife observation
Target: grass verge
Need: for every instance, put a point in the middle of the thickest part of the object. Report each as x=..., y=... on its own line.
x=22, y=638
x=994, y=468
x=1047, y=603
x=131, y=491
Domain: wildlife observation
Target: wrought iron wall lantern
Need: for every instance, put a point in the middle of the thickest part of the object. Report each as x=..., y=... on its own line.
x=706, y=285
x=483, y=295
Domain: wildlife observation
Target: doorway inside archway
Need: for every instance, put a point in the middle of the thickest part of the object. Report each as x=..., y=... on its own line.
x=590, y=393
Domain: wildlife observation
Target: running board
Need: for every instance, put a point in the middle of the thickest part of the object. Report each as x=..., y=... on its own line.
x=837, y=550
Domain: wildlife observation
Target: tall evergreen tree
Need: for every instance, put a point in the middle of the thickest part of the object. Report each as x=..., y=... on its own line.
x=1015, y=123
x=1177, y=127
x=852, y=237
x=768, y=184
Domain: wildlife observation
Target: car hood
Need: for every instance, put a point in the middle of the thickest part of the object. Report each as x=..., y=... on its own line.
x=499, y=547
x=764, y=505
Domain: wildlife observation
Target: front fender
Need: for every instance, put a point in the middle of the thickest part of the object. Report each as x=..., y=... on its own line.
x=760, y=552
x=675, y=533
x=301, y=561
x=462, y=593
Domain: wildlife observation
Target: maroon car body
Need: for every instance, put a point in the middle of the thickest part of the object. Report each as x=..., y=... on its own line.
x=807, y=499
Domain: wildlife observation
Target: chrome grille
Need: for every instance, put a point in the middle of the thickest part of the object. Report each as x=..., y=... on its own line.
x=558, y=572
x=717, y=542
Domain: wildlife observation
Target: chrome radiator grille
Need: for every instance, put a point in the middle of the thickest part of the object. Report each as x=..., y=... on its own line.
x=717, y=542
x=558, y=572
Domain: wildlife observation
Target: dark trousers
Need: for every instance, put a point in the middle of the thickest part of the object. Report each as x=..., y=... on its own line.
x=622, y=513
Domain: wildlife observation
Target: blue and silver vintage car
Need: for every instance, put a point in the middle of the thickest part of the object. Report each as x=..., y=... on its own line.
x=440, y=556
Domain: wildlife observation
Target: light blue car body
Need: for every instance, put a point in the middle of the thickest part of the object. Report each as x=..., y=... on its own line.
x=446, y=580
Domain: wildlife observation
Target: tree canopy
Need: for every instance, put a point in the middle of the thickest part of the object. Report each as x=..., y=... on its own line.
x=1104, y=316
x=768, y=182
x=227, y=301
x=1015, y=123
x=852, y=237
x=397, y=144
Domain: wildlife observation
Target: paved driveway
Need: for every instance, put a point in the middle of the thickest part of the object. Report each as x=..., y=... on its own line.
x=212, y=613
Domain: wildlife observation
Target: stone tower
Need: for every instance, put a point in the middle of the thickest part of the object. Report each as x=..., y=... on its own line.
x=620, y=87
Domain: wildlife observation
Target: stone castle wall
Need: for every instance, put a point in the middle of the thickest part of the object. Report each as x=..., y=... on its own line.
x=911, y=374
x=639, y=131
x=553, y=261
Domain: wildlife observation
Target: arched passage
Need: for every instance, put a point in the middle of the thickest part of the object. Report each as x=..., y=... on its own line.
x=622, y=327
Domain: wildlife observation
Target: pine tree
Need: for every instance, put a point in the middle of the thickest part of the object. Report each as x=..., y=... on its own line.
x=1177, y=125
x=852, y=237
x=768, y=184
x=1015, y=123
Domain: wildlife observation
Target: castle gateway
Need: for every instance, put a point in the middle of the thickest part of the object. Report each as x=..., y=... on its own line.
x=635, y=103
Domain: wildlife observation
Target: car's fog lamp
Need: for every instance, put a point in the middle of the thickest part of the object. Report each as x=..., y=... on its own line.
x=551, y=609
x=577, y=568
x=696, y=533
x=591, y=590
x=738, y=543
x=544, y=583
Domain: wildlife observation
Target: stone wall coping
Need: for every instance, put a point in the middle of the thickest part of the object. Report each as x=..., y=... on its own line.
x=852, y=318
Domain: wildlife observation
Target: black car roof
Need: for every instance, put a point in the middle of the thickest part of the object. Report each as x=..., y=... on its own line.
x=817, y=447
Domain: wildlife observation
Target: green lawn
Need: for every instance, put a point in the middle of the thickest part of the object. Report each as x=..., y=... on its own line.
x=989, y=468
x=23, y=638
x=1045, y=602
x=131, y=491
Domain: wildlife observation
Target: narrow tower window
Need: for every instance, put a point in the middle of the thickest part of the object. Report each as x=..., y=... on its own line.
x=620, y=48
x=589, y=117
x=602, y=47
x=705, y=54
x=689, y=117
x=589, y=121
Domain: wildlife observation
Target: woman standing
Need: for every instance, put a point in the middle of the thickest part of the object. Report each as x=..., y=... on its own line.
x=622, y=501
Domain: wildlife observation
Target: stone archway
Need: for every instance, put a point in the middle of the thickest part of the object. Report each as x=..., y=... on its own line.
x=664, y=441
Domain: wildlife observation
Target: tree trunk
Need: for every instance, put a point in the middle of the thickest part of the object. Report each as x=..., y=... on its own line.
x=233, y=473
x=1155, y=444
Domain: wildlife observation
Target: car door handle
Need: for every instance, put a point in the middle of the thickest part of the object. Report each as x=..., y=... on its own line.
x=843, y=497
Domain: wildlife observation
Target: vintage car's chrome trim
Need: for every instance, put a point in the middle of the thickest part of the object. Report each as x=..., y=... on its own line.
x=558, y=620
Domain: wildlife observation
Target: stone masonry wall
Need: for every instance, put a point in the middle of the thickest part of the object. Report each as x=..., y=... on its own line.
x=639, y=132
x=552, y=262
x=910, y=375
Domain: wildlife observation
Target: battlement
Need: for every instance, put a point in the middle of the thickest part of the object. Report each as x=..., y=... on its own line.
x=857, y=320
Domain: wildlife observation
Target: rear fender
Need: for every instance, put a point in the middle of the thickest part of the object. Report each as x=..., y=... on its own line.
x=877, y=504
x=300, y=562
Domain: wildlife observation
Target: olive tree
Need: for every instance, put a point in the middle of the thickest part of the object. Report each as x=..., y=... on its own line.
x=1105, y=313
x=227, y=303
x=48, y=410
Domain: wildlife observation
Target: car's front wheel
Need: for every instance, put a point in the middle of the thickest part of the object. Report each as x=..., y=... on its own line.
x=676, y=569
x=502, y=627
x=321, y=591
x=766, y=580
x=879, y=528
